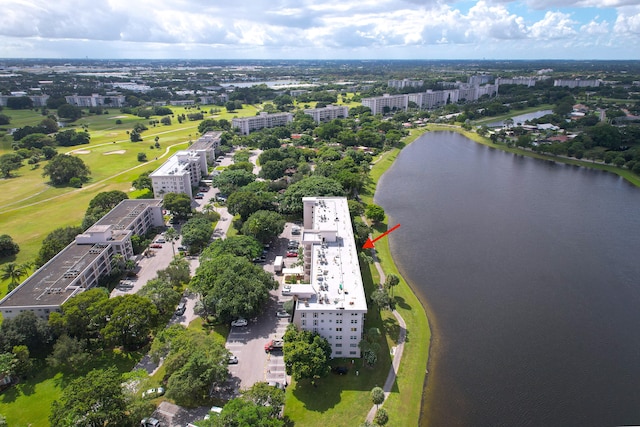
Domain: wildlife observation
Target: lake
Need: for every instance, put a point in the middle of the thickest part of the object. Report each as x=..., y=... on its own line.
x=529, y=272
x=521, y=118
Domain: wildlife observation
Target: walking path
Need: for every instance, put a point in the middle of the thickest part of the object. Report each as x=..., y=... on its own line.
x=397, y=355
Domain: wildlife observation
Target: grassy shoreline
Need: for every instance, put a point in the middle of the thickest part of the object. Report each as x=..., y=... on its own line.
x=410, y=379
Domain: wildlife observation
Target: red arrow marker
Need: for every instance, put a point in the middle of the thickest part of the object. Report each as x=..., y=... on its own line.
x=369, y=243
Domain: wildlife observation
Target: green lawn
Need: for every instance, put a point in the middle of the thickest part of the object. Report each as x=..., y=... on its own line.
x=28, y=403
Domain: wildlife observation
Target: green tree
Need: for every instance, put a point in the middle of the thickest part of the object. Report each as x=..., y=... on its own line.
x=230, y=180
x=81, y=316
x=62, y=168
x=96, y=399
x=178, y=203
x=69, y=112
x=71, y=137
x=26, y=329
x=244, y=203
x=391, y=282
x=232, y=287
x=375, y=213
x=14, y=272
x=8, y=163
x=381, y=298
x=311, y=186
x=131, y=318
x=263, y=225
x=196, y=233
x=382, y=417
x=306, y=354
x=69, y=353
x=262, y=394
x=243, y=412
x=56, y=241
x=143, y=182
x=177, y=273
x=241, y=246
x=377, y=396
x=161, y=294
x=7, y=246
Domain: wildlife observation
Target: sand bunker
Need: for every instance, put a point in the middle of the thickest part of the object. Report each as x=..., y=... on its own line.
x=118, y=117
x=115, y=152
x=80, y=152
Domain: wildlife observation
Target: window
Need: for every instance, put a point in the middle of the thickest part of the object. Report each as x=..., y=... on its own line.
x=303, y=315
x=339, y=321
x=354, y=321
x=304, y=322
x=338, y=337
x=315, y=322
x=354, y=329
x=338, y=352
x=354, y=337
x=315, y=314
x=338, y=329
x=353, y=352
x=338, y=345
x=353, y=345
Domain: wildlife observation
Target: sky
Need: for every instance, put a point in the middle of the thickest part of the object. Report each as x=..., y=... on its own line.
x=320, y=29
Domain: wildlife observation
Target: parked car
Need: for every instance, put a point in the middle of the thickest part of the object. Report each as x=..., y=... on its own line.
x=260, y=259
x=160, y=240
x=150, y=422
x=182, y=307
x=291, y=254
x=199, y=196
x=282, y=313
x=273, y=345
x=295, y=230
x=238, y=323
x=156, y=245
x=153, y=392
x=286, y=290
x=182, y=249
x=233, y=360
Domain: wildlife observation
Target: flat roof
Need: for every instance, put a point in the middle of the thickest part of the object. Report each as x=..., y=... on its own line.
x=335, y=270
x=207, y=141
x=123, y=215
x=173, y=165
x=49, y=285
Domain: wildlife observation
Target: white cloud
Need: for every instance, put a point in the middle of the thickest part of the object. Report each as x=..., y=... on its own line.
x=331, y=28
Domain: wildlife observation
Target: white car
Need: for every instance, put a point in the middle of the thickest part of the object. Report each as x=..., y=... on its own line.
x=153, y=392
x=233, y=360
x=286, y=290
x=239, y=323
x=160, y=240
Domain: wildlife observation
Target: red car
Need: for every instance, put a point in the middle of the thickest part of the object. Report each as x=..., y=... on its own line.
x=155, y=245
x=292, y=254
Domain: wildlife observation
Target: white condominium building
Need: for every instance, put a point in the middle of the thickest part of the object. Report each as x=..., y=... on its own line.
x=328, y=113
x=392, y=102
x=401, y=84
x=83, y=262
x=96, y=100
x=332, y=302
x=180, y=173
x=576, y=83
x=525, y=81
x=184, y=170
x=246, y=125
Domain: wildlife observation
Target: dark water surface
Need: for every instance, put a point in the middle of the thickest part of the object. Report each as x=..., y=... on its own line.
x=530, y=271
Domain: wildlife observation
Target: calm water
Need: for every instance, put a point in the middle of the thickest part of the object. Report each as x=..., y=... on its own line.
x=522, y=118
x=531, y=277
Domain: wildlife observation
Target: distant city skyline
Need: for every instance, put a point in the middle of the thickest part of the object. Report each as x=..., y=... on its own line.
x=306, y=29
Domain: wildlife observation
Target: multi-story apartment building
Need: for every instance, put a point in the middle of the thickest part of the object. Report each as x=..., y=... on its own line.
x=332, y=302
x=246, y=125
x=525, y=81
x=83, y=262
x=330, y=112
x=576, y=83
x=38, y=100
x=429, y=99
x=184, y=170
x=392, y=102
x=480, y=79
x=96, y=100
x=401, y=84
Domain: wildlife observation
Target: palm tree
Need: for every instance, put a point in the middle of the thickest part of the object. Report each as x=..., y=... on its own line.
x=14, y=272
x=172, y=235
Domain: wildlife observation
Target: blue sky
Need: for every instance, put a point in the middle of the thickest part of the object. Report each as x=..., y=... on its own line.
x=327, y=29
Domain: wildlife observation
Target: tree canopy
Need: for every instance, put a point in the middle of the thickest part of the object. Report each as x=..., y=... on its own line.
x=100, y=205
x=196, y=233
x=264, y=225
x=7, y=246
x=310, y=186
x=96, y=399
x=178, y=203
x=306, y=354
x=242, y=246
x=62, y=168
x=232, y=287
